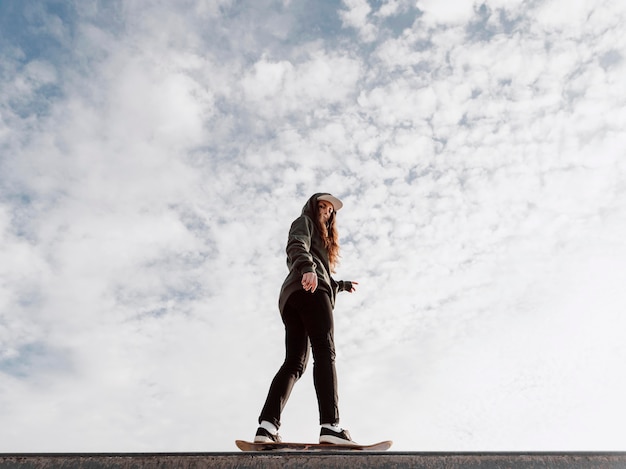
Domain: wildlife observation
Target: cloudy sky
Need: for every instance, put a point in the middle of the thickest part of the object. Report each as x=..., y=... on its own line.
x=153, y=155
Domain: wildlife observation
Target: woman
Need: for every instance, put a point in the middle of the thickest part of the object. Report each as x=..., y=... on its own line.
x=306, y=303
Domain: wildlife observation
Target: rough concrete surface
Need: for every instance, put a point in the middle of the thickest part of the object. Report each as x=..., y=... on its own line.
x=390, y=460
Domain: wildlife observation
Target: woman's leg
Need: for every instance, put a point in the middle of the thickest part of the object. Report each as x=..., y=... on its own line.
x=316, y=313
x=296, y=357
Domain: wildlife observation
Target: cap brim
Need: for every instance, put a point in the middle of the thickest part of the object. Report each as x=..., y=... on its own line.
x=337, y=204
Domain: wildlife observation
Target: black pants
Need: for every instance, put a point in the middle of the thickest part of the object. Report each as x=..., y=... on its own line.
x=308, y=318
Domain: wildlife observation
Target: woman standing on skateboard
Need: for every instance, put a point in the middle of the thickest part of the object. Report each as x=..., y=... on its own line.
x=306, y=303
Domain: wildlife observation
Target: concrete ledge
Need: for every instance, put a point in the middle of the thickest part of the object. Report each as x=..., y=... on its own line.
x=389, y=459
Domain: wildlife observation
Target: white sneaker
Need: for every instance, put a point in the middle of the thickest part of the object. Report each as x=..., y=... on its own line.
x=263, y=436
x=336, y=438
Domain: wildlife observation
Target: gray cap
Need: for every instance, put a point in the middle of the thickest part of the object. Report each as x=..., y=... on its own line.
x=337, y=204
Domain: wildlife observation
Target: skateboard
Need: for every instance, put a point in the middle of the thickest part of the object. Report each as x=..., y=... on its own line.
x=286, y=446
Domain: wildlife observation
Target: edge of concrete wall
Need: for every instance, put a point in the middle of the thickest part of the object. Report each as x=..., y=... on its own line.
x=294, y=459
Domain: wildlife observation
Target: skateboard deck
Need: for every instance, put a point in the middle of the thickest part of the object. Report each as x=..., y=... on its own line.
x=286, y=446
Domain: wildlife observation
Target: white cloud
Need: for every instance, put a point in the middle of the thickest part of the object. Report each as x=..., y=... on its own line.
x=446, y=12
x=280, y=87
x=356, y=16
x=550, y=14
x=391, y=8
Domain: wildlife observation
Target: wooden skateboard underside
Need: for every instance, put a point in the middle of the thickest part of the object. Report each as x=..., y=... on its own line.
x=249, y=446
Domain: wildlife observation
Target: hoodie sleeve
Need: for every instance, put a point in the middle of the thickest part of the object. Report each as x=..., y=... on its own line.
x=299, y=245
x=344, y=285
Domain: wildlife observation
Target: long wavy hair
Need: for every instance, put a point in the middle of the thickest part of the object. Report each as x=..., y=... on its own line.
x=330, y=236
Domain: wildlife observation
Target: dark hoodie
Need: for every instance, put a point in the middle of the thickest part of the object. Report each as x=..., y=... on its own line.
x=306, y=253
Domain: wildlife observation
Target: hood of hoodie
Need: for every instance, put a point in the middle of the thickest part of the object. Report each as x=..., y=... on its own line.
x=310, y=208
